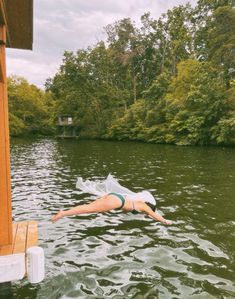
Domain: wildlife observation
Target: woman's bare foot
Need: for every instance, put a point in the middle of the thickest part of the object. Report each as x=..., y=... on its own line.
x=56, y=217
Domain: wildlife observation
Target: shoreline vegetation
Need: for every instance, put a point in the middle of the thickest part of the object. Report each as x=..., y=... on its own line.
x=168, y=81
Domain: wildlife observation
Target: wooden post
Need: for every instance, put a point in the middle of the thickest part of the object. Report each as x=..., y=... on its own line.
x=5, y=184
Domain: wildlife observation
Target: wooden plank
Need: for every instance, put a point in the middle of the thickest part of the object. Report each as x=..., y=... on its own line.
x=1, y=13
x=7, y=147
x=5, y=192
x=21, y=237
x=2, y=79
x=24, y=235
x=3, y=20
x=20, y=33
x=32, y=234
x=2, y=60
x=8, y=249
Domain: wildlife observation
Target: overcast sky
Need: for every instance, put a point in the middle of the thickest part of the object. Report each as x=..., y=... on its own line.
x=61, y=25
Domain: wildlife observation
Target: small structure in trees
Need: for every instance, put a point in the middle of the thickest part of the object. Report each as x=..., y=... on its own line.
x=66, y=127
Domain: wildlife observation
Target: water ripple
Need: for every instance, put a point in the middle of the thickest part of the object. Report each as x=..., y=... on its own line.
x=116, y=255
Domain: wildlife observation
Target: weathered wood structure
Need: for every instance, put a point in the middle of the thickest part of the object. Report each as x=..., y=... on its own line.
x=16, y=31
x=24, y=236
x=66, y=127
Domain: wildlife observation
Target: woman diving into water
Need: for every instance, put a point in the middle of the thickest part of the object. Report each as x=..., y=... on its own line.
x=113, y=196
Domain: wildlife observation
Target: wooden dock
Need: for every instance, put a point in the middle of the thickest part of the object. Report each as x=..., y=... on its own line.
x=15, y=238
x=67, y=136
x=24, y=235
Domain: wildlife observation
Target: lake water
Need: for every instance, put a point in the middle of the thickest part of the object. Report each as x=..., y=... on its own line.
x=117, y=255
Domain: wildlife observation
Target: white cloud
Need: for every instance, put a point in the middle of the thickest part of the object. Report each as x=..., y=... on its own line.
x=68, y=25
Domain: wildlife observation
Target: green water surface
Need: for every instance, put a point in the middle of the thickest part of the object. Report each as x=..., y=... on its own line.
x=117, y=255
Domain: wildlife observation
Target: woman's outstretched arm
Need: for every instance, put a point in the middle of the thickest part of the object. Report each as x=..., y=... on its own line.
x=147, y=210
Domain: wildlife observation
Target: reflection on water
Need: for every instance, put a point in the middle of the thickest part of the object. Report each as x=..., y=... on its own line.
x=116, y=255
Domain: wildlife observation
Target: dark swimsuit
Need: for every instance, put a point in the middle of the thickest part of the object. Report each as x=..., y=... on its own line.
x=120, y=197
x=123, y=202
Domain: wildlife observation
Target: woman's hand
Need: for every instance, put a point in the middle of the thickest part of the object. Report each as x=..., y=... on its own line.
x=56, y=217
x=146, y=209
x=167, y=222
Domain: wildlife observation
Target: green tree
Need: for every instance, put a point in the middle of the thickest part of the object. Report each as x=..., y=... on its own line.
x=224, y=131
x=169, y=81
x=127, y=50
x=28, y=108
x=196, y=103
x=221, y=41
x=179, y=31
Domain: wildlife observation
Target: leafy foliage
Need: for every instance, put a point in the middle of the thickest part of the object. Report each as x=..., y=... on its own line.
x=29, y=108
x=170, y=80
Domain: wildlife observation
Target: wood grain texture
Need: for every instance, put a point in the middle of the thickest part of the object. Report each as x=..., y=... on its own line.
x=5, y=191
x=24, y=235
x=32, y=234
x=21, y=238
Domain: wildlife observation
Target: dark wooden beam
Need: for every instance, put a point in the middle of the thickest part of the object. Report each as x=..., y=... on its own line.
x=17, y=15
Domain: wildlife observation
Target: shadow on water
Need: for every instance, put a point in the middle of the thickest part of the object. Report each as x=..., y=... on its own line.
x=6, y=290
x=117, y=255
x=18, y=290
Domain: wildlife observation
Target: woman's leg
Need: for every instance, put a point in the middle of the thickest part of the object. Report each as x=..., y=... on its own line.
x=103, y=204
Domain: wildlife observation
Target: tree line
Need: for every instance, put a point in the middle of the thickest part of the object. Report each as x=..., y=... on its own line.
x=169, y=80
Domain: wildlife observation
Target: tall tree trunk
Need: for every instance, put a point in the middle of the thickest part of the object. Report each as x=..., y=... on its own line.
x=134, y=87
x=163, y=57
